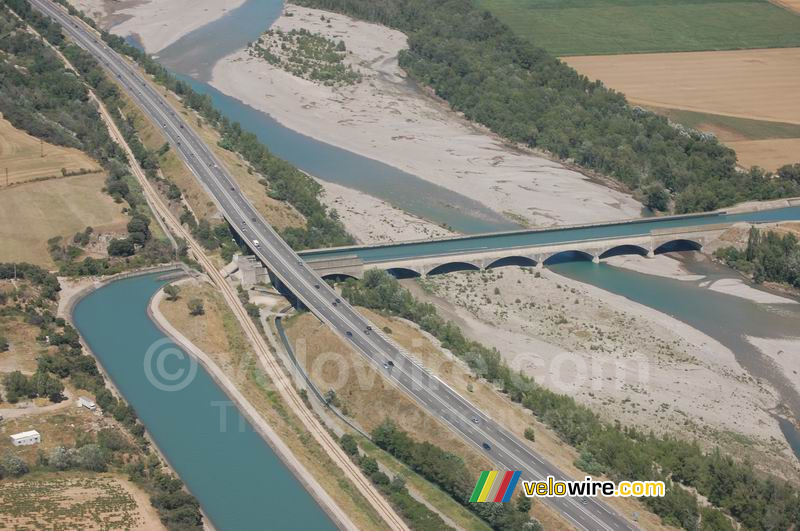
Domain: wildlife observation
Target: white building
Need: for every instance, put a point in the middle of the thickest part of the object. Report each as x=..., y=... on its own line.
x=85, y=402
x=25, y=438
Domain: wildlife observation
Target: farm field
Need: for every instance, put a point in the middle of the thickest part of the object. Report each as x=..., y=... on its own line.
x=57, y=207
x=756, y=142
x=75, y=501
x=20, y=153
x=756, y=84
x=746, y=97
x=582, y=27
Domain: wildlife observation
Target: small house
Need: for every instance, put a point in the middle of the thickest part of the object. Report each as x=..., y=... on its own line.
x=85, y=402
x=26, y=438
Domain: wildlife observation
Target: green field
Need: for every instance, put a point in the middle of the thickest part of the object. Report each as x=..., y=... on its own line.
x=597, y=27
x=745, y=128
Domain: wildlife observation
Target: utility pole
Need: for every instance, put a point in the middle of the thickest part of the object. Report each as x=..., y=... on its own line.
x=41, y=148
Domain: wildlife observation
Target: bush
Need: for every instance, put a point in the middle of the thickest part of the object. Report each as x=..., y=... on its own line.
x=529, y=434
x=14, y=465
x=121, y=247
x=196, y=307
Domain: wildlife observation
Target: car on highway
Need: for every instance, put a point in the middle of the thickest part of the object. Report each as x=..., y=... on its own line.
x=386, y=366
x=486, y=446
x=349, y=333
x=390, y=363
x=256, y=243
x=475, y=420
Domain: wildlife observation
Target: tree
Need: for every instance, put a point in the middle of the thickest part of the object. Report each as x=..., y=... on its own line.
x=349, y=445
x=656, y=197
x=196, y=307
x=14, y=465
x=45, y=385
x=60, y=458
x=3, y=344
x=171, y=292
x=119, y=247
x=17, y=386
x=530, y=434
x=92, y=457
x=524, y=503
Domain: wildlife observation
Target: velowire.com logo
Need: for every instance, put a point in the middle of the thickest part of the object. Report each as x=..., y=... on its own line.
x=494, y=486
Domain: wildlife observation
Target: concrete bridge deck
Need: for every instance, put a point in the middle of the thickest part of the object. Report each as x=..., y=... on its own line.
x=656, y=242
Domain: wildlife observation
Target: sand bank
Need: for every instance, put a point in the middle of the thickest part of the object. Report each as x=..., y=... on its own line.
x=626, y=361
x=156, y=24
x=785, y=353
x=384, y=118
x=371, y=220
x=660, y=265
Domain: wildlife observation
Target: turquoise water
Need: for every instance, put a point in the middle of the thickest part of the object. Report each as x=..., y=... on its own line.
x=237, y=478
x=485, y=242
x=726, y=318
x=191, y=59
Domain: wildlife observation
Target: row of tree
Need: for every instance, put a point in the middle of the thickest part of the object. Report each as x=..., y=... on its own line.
x=415, y=513
x=448, y=472
x=521, y=92
x=65, y=359
x=282, y=181
x=756, y=500
x=768, y=256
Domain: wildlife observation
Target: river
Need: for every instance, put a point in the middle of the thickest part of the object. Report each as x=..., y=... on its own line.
x=239, y=481
x=725, y=318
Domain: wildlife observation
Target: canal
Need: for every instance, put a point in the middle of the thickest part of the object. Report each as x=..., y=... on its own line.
x=239, y=481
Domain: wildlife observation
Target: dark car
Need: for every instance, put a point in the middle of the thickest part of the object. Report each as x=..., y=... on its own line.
x=487, y=446
x=349, y=333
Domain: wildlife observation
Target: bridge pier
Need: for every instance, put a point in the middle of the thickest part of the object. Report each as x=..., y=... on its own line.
x=651, y=254
x=595, y=259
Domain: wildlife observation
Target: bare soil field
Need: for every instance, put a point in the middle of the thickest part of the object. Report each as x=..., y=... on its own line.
x=21, y=155
x=59, y=207
x=791, y=5
x=78, y=500
x=760, y=84
x=749, y=84
x=769, y=154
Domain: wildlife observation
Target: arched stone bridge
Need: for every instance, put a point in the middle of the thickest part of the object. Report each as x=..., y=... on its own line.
x=649, y=245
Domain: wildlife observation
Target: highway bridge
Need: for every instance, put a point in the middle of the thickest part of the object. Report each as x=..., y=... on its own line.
x=476, y=427
x=538, y=247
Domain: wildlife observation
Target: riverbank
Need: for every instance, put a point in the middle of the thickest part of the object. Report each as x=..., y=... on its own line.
x=370, y=220
x=155, y=24
x=73, y=290
x=387, y=119
x=624, y=360
x=248, y=411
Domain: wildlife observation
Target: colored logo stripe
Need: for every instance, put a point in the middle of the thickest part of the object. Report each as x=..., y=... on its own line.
x=492, y=488
x=509, y=488
x=487, y=487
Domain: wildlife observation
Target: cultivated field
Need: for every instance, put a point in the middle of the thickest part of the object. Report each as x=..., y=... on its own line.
x=32, y=213
x=21, y=154
x=578, y=27
x=75, y=501
x=747, y=98
x=757, y=142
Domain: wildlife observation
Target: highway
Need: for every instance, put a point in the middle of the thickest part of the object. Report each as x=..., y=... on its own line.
x=506, y=450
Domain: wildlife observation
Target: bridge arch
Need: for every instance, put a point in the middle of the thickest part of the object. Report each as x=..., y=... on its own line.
x=520, y=261
x=452, y=267
x=679, y=245
x=624, y=249
x=568, y=256
x=338, y=277
x=403, y=272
